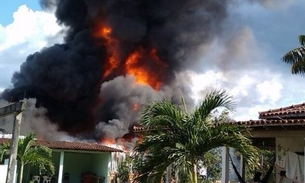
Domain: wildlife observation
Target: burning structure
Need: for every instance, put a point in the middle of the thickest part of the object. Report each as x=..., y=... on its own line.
x=117, y=56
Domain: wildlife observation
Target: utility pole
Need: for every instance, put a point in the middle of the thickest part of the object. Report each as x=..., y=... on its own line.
x=15, y=109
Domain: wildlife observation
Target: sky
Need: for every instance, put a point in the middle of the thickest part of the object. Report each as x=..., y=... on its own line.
x=9, y=7
x=245, y=60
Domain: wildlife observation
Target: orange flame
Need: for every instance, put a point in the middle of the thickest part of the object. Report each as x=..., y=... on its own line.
x=107, y=141
x=111, y=45
x=142, y=64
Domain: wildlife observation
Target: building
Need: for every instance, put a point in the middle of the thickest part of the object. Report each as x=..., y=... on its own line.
x=282, y=130
x=80, y=162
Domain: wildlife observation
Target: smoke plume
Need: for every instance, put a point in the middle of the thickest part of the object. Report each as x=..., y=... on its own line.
x=117, y=56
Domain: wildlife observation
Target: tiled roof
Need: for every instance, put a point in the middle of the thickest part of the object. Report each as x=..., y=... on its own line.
x=272, y=122
x=80, y=146
x=297, y=111
x=138, y=129
x=254, y=123
x=293, y=115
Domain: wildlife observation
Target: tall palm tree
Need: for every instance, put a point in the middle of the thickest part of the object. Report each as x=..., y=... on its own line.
x=181, y=139
x=296, y=57
x=30, y=154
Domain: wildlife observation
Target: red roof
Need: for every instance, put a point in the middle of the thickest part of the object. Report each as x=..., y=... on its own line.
x=272, y=122
x=293, y=111
x=79, y=146
x=293, y=115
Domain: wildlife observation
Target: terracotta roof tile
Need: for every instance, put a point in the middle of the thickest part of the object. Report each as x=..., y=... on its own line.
x=296, y=110
x=64, y=145
x=272, y=122
x=293, y=115
x=255, y=123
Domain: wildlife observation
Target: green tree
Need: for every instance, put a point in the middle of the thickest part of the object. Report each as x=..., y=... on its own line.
x=124, y=168
x=296, y=57
x=30, y=154
x=212, y=162
x=181, y=139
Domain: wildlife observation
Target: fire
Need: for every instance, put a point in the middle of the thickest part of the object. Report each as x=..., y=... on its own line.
x=111, y=45
x=105, y=32
x=143, y=63
x=108, y=141
x=146, y=66
x=119, y=143
x=140, y=74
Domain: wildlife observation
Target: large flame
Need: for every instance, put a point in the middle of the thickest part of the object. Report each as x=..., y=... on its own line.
x=111, y=47
x=143, y=64
x=146, y=66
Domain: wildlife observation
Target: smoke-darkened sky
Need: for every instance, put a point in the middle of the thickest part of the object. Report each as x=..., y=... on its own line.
x=237, y=46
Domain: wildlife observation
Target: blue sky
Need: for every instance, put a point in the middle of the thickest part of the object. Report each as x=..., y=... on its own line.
x=9, y=7
x=246, y=60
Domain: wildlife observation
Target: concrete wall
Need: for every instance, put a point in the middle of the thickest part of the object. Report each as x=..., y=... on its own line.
x=292, y=144
x=78, y=163
x=3, y=172
x=102, y=168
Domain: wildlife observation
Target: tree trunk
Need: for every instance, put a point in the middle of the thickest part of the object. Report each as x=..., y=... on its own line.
x=194, y=173
x=168, y=174
x=21, y=172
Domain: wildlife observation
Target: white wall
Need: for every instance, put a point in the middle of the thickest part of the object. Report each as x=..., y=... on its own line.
x=3, y=172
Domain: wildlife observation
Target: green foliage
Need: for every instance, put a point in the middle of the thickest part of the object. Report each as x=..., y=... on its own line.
x=181, y=139
x=212, y=162
x=296, y=57
x=265, y=160
x=124, y=169
x=30, y=154
x=4, y=151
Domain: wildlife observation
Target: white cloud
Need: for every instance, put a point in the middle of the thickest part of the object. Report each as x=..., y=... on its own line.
x=269, y=91
x=205, y=80
x=253, y=91
x=245, y=82
x=29, y=26
x=246, y=60
x=29, y=32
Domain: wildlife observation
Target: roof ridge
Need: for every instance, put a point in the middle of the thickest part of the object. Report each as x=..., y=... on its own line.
x=283, y=108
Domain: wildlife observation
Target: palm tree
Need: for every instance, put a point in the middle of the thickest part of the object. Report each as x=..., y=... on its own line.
x=181, y=139
x=296, y=57
x=30, y=154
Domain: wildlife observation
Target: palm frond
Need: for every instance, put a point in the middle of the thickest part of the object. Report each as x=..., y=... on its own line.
x=4, y=150
x=298, y=67
x=160, y=113
x=31, y=154
x=294, y=56
x=25, y=144
x=231, y=136
x=302, y=40
x=180, y=139
x=152, y=166
x=212, y=101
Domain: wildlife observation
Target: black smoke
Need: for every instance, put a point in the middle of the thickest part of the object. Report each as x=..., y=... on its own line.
x=67, y=79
